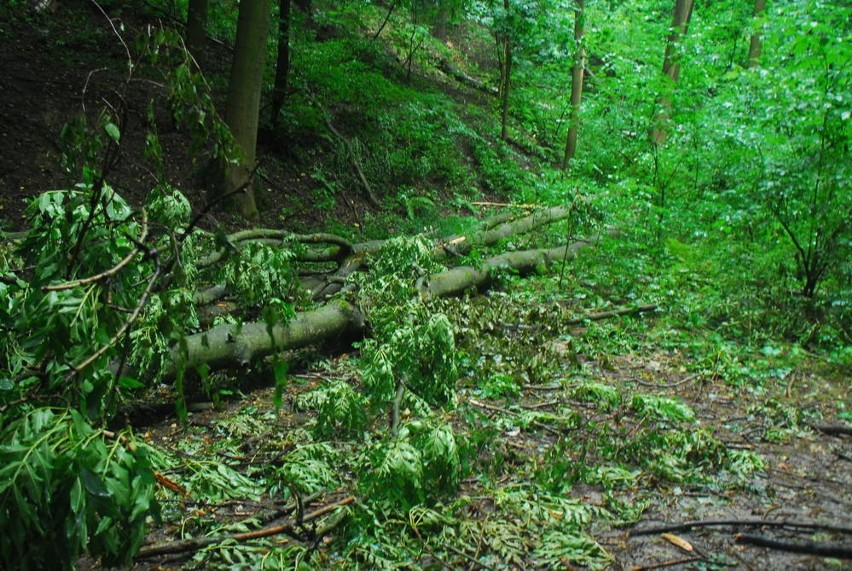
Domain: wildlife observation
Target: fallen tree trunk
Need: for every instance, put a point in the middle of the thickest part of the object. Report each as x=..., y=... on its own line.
x=230, y=346
x=446, y=67
x=491, y=236
x=351, y=258
x=233, y=346
x=463, y=278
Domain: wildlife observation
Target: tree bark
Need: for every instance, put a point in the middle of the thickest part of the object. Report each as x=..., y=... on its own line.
x=458, y=280
x=755, y=44
x=577, y=73
x=505, y=73
x=196, y=30
x=243, y=106
x=671, y=69
x=282, y=66
x=439, y=30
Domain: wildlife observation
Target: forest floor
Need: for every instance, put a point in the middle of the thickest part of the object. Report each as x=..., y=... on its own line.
x=807, y=474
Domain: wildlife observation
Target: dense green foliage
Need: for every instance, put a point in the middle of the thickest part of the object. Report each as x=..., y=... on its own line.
x=737, y=227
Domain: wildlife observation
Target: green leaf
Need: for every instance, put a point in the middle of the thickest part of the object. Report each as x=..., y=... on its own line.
x=112, y=130
x=93, y=483
x=126, y=382
x=279, y=372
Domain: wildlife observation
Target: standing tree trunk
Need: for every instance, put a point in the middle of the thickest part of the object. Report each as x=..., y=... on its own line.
x=577, y=74
x=671, y=69
x=282, y=67
x=754, y=45
x=505, y=71
x=243, y=107
x=439, y=30
x=196, y=33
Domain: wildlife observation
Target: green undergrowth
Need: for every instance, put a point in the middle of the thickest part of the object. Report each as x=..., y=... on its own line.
x=475, y=433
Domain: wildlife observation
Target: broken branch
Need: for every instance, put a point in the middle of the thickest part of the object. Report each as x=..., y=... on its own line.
x=195, y=544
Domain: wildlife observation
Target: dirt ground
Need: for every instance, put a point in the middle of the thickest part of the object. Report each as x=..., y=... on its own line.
x=808, y=478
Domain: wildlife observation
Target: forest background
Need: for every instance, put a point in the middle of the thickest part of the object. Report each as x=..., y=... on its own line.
x=488, y=282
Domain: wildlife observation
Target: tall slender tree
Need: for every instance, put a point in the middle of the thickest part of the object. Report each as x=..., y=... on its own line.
x=282, y=67
x=671, y=69
x=505, y=42
x=243, y=107
x=577, y=74
x=755, y=43
x=196, y=30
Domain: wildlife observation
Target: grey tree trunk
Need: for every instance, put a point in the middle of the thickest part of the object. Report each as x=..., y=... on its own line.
x=505, y=74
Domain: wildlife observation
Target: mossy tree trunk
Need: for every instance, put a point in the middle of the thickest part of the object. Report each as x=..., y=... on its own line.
x=243, y=106
x=754, y=46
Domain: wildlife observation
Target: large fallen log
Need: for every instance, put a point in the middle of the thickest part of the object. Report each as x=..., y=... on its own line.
x=233, y=346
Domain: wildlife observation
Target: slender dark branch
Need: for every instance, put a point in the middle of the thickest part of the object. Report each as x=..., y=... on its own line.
x=790, y=233
x=738, y=523
x=120, y=39
x=397, y=401
x=385, y=22
x=836, y=550
x=665, y=564
x=218, y=199
x=111, y=158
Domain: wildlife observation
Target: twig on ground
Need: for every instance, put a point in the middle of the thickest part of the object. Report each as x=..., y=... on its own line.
x=468, y=557
x=668, y=385
x=599, y=315
x=666, y=564
x=831, y=429
x=494, y=408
